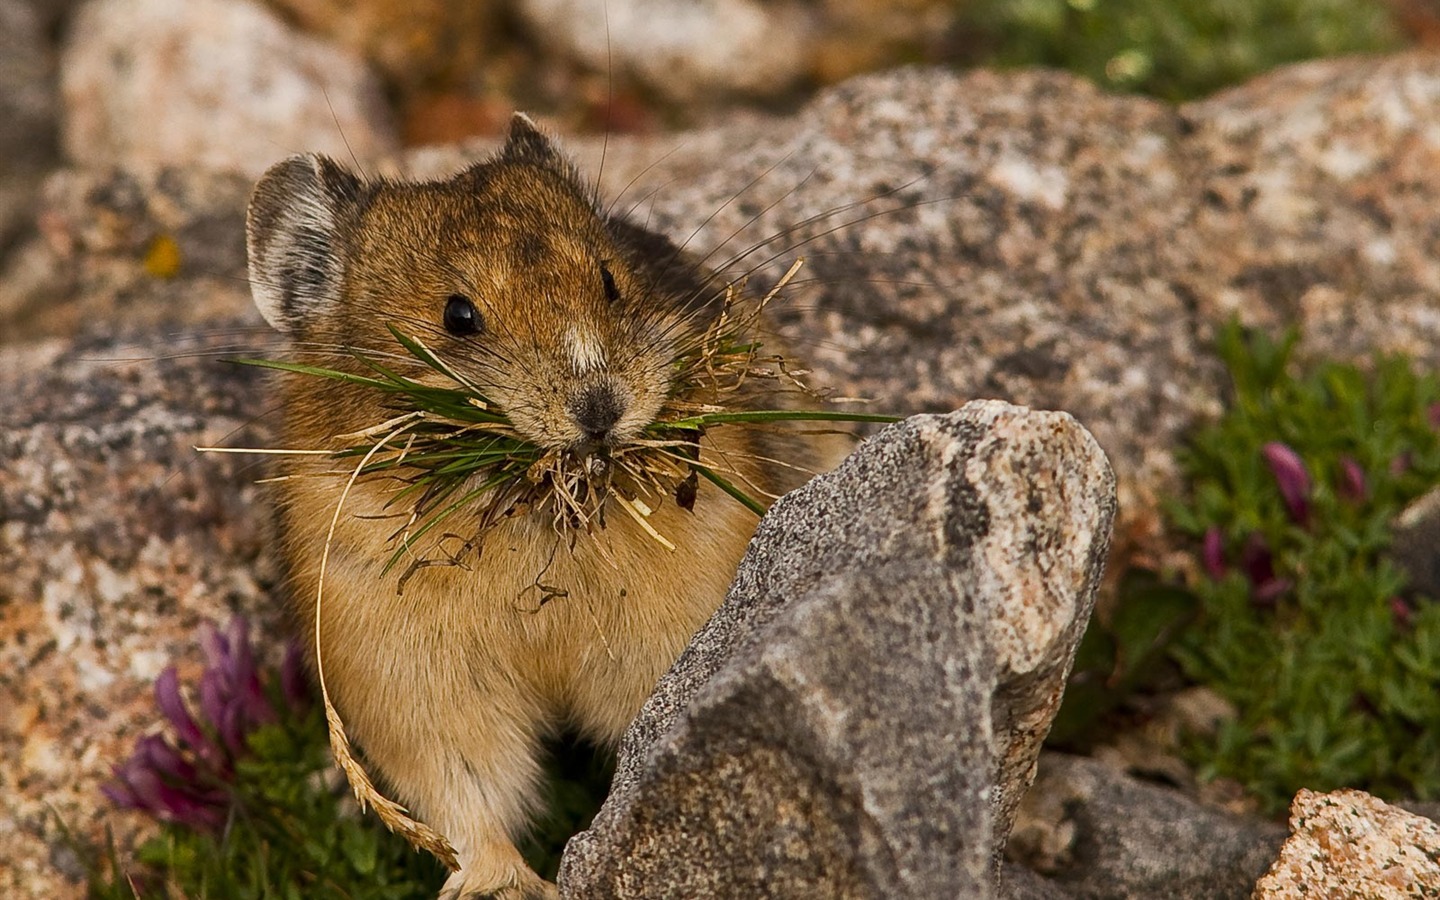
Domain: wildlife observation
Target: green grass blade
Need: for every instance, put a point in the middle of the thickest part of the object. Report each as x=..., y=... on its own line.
x=745, y=499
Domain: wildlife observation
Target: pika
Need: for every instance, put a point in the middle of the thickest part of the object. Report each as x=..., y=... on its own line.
x=570, y=320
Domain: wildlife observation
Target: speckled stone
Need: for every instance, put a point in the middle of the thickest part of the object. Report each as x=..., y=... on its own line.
x=116, y=540
x=219, y=84
x=1095, y=832
x=138, y=251
x=1348, y=844
x=862, y=715
x=687, y=51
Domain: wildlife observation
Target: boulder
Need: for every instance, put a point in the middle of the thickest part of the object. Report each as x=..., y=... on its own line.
x=158, y=254
x=219, y=84
x=686, y=51
x=862, y=715
x=1348, y=844
x=1097, y=833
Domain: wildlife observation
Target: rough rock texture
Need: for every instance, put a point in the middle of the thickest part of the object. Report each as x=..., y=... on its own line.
x=684, y=50
x=862, y=715
x=1349, y=844
x=1096, y=833
x=143, y=249
x=116, y=541
x=220, y=84
x=27, y=88
x=117, y=248
x=1416, y=545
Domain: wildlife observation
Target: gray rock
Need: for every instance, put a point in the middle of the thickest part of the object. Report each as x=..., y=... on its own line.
x=1416, y=544
x=159, y=253
x=1099, y=834
x=28, y=107
x=862, y=715
x=687, y=51
x=220, y=84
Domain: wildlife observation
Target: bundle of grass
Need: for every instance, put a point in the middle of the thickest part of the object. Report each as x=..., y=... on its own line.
x=447, y=447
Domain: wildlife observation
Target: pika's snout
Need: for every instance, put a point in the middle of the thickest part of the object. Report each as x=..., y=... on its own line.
x=596, y=408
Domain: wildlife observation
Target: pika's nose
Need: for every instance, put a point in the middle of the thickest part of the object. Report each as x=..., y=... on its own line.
x=596, y=409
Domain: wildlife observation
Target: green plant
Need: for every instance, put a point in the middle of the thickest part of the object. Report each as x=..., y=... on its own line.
x=1121, y=655
x=1307, y=628
x=1176, y=51
x=252, y=808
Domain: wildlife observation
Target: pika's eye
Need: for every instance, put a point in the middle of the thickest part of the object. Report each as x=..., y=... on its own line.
x=461, y=316
x=612, y=293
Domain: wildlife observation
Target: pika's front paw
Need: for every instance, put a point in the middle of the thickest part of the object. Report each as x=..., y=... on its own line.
x=517, y=885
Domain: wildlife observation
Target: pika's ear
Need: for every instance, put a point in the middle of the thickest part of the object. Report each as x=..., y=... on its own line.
x=528, y=144
x=291, y=230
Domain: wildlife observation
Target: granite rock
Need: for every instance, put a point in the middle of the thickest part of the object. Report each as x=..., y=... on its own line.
x=116, y=540
x=220, y=84
x=158, y=253
x=1096, y=833
x=1415, y=547
x=28, y=99
x=686, y=51
x=1348, y=844
x=862, y=715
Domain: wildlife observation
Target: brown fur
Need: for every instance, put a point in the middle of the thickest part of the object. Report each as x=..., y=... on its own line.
x=451, y=685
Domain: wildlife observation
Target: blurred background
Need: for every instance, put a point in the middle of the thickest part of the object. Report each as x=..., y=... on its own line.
x=134, y=78
x=232, y=85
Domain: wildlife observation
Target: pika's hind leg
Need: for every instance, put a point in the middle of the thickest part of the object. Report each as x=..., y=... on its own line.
x=475, y=780
x=480, y=803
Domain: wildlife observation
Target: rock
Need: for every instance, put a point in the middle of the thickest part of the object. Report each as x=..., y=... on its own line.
x=116, y=540
x=1316, y=196
x=1348, y=844
x=1415, y=546
x=689, y=52
x=1095, y=832
x=219, y=84
x=121, y=250
x=862, y=715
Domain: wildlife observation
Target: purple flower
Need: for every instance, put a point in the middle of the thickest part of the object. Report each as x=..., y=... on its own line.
x=1401, y=611
x=158, y=780
x=1259, y=565
x=1353, y=485
x=183, y=778
x=1293, y=479
x=1433, y=414
x=1213, y=553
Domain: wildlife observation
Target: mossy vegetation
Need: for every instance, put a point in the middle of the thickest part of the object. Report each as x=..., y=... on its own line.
x=1176, y=51
x=1307, y=626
